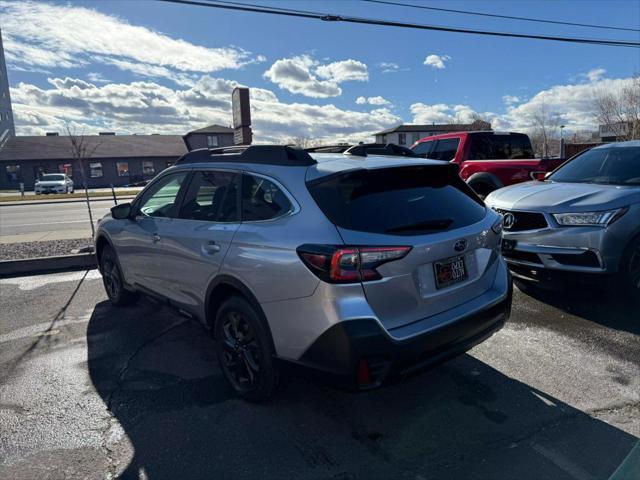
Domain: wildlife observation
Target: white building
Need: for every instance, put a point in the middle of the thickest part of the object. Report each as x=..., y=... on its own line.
x=409, y=134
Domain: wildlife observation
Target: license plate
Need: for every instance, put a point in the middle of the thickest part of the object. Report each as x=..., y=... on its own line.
x=450, y=271
x=508, y=245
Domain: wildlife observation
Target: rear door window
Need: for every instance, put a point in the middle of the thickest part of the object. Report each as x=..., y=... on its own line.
x=423, y=148
x=262, y=199
x=445, y=149
x=411, y=200
x=212, y=197
x=491, y=146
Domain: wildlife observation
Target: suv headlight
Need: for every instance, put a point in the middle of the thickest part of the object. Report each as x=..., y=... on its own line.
x=589, y=219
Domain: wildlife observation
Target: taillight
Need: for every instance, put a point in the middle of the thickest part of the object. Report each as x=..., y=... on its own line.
x=340, y=264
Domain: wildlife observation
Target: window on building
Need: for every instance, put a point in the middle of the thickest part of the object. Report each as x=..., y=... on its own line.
x=262, y=199
x=95, y=170
x=415, y=137
x=122, y=169
x=402, y=139
x=445, y=149
x=13, y=173
x=66, y=168
x=148, y=169
x=212, y=140
x=212, y=197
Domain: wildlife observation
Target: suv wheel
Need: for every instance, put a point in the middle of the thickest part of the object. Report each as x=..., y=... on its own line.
x=631, y=270
x=244, y=350
x=112, y=279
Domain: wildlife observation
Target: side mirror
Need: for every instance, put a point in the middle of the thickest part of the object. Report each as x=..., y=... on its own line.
x=122, y=211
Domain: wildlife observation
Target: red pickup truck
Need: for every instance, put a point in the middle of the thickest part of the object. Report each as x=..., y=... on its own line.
x=488, y=160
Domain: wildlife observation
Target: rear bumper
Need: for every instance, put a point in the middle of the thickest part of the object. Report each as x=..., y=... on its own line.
x=337, y=355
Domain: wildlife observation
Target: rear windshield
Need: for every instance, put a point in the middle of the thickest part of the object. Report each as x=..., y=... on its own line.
x=491, y=146
x=605, y=166
x=399, y=201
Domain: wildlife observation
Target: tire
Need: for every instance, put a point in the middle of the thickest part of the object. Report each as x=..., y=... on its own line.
x=244, y=350
x=482, y=189
x=629, y=278
x=112, y=279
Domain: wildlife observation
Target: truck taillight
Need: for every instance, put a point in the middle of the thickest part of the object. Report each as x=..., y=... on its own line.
x=350, y=264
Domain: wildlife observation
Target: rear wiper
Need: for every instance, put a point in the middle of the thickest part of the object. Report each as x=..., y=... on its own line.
x=439, y=224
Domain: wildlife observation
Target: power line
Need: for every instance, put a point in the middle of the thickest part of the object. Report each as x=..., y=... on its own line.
x=494, y=15
x=389, y=23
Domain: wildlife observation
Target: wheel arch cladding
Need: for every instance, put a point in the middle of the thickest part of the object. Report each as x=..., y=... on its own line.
x=224, y=287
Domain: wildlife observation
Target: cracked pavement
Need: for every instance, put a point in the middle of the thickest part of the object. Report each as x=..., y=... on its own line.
x=90, y=391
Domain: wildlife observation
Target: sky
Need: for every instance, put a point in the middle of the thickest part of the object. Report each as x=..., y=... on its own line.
x=153, y=67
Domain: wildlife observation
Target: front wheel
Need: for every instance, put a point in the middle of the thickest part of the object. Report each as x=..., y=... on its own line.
x=630, y=271
x=112, y=279
x=244, y=350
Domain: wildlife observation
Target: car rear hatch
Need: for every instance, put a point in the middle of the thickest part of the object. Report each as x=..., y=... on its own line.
x=427, y=207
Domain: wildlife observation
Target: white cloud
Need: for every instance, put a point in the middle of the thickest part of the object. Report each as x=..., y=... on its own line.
x=510, y=99
x=147, y=107
x=436, y=61
x=343, y=71
x=573, y=104
x=306, y=76
x=43, y=35
x=96, y=77
x=388, y=67
x=595, y=74
x=378, y=100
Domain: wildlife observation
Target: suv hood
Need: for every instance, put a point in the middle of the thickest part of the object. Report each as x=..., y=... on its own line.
x=553, y=197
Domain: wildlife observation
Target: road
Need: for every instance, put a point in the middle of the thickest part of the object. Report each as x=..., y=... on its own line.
x=25, y=219
x=90, y=391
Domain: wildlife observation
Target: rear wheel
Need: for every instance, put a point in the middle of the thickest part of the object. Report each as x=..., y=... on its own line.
x=244, y=351
x=112, y=279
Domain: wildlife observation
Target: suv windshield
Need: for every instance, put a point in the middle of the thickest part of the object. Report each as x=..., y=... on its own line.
x=399, y=201
x=606, y=166
x=52, y=178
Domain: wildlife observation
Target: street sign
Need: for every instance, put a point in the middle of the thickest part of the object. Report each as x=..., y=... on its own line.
x=241, y=108
x=242, y=136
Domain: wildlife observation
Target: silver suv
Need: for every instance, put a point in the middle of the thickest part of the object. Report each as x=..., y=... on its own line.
x=356, y=268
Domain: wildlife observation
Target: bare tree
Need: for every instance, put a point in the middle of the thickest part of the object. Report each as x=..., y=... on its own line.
x=81, y=151
x=620, y=110
x=303, y=142
x=546, y=131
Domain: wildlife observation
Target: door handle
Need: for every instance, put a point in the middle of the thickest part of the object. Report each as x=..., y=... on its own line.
x=210, y=248
x=155, y=238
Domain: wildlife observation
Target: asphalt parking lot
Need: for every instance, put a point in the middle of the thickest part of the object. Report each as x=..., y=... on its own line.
x=92, y=391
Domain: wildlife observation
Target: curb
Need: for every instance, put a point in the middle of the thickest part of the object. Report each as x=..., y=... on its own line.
x=42, y=265
x=53, y=202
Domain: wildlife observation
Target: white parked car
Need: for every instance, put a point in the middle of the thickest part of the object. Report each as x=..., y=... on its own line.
x=54, y=183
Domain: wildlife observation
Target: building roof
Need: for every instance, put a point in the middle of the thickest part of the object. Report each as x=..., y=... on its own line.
x=453, y=127
x=106, y=146
x=213, y=129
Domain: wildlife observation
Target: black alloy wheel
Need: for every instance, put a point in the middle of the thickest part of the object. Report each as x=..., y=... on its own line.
x=241, y=352
x=112, y=279
x=244, y=350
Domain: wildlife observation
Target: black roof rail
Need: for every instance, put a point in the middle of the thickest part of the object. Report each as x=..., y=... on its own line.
x=261, y=154
x=337, y=148
x=362, y=149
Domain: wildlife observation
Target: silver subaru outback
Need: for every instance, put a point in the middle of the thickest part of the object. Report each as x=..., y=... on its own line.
x=353, y=268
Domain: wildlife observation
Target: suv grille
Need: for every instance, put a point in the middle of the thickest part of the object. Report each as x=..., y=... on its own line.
x=522, y=220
